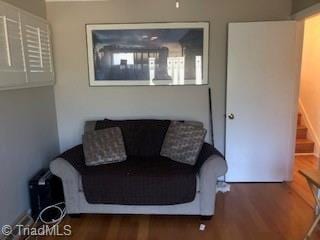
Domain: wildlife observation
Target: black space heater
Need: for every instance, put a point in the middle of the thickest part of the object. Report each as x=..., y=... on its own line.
x=45, y=190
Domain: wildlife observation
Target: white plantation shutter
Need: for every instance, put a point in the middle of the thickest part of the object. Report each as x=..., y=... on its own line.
x=25, y=49
x=37, y=47
x=12, y=64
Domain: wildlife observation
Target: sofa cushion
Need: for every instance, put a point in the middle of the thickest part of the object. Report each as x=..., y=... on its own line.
x=142, y=138
x=157, y=181
x=103, y=147
x=183, y=142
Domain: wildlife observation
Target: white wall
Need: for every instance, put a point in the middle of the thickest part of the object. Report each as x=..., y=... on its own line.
x=310, y=78
x=77, y=102
x=28, y=138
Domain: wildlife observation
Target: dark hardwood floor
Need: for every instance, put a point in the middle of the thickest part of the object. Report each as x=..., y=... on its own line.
x=249, y=211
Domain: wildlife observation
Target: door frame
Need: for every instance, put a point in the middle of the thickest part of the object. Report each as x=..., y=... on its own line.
x=299, y=40
x=300, y=18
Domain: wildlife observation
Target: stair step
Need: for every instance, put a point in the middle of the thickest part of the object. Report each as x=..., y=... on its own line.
x=299, y=119
x=304, y=146
x=301, y=132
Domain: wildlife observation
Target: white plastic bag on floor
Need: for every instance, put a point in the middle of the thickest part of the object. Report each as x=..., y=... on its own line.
x=223, y=187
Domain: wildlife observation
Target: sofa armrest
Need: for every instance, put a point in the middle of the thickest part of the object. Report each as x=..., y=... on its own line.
x=70, y=180
x=206, y=151
x=214, y=167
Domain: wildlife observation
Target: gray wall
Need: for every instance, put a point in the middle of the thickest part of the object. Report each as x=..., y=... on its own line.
x=76, y=101
x=28, y=138
x=37, y=7
x=298, y=5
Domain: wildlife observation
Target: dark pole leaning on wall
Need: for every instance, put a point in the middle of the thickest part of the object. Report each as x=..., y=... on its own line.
x=211, y=125
x=210, y=117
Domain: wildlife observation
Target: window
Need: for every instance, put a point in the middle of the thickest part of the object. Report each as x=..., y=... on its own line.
x=176, y=68
x=119, y=58
x=25, y=49
x=12, y=64
x=37, y=49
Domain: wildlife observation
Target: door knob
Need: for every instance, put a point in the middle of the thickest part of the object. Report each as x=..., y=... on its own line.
x=231, y=116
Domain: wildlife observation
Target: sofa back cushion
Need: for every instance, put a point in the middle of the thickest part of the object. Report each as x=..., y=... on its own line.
x=142, y=138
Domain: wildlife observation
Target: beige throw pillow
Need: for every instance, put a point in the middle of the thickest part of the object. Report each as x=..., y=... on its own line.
x=104, y=147
x=183, y=142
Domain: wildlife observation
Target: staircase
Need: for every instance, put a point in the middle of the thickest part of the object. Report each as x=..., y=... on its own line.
x=303, y=144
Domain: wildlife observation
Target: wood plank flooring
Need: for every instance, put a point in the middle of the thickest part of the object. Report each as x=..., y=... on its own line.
x=299, y=184
x=249, y=211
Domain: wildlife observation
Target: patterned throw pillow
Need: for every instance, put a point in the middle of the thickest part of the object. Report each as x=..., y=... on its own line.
x=103, y=147
x=183, y=142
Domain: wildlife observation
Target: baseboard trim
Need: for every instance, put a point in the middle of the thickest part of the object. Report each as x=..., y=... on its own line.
x=24, y=219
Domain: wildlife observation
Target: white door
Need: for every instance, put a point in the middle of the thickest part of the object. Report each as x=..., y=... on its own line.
x=262, y=90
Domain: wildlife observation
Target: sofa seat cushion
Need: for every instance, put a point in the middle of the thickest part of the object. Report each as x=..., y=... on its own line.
x=140, y=181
